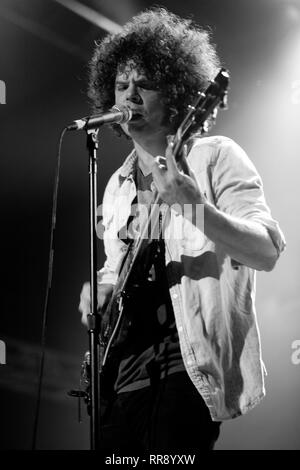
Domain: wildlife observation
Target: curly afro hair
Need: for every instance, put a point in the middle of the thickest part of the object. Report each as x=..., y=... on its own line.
x=174, y=53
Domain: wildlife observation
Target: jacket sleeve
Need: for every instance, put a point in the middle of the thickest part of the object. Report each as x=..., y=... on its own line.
x=239, y=191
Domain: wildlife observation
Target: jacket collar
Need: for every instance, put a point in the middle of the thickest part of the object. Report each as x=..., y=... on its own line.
x=128, y=168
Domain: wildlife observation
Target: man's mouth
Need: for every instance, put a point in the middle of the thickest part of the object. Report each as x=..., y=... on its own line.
x=136, y=116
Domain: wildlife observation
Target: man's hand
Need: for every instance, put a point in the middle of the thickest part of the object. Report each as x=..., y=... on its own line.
x=173, y=185
x=104, y=292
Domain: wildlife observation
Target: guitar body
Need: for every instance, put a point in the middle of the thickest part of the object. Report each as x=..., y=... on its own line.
x=115, y=324
x=117, y=320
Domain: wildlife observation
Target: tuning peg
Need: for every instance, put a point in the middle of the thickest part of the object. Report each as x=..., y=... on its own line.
x=214, y=114
x=205, y=127
x=224, y=102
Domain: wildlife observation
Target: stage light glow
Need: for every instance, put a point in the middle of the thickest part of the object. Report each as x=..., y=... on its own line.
x=292, y=13
x=91, y=15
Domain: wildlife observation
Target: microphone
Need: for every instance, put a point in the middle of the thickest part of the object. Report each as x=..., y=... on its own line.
x=117, y=115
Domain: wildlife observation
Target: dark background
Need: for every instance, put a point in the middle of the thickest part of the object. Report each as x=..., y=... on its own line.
x=45, y=48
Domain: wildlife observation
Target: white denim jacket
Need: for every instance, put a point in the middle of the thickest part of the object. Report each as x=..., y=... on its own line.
x=212, y=295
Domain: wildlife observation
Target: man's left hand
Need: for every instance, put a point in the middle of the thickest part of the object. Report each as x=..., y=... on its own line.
x=173, y=185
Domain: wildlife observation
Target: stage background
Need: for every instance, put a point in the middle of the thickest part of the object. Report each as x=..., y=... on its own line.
x=45, y=48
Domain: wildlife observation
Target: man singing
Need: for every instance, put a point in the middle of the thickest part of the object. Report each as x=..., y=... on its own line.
x=192, y=357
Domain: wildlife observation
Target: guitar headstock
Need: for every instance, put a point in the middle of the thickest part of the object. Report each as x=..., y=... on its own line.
x=204, y=109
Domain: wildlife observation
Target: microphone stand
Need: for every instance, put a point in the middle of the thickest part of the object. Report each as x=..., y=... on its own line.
x=93, y=319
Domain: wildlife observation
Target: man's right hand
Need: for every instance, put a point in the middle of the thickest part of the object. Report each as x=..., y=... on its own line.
x=104, y=292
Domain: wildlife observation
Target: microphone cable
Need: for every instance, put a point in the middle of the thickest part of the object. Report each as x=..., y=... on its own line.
x=48, y=288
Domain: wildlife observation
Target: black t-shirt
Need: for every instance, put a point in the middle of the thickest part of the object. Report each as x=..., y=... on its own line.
x=152, y=350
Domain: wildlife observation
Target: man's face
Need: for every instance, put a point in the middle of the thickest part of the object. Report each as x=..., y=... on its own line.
x=136, y=91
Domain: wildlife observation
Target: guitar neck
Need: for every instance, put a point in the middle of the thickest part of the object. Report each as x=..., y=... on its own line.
x=151, y=226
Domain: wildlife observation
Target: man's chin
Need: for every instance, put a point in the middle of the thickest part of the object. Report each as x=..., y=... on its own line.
x=133, y=127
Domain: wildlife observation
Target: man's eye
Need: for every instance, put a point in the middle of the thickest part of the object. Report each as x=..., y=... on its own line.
x=120, y=87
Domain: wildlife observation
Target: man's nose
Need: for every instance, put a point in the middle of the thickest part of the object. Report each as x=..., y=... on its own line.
x=133, y=95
